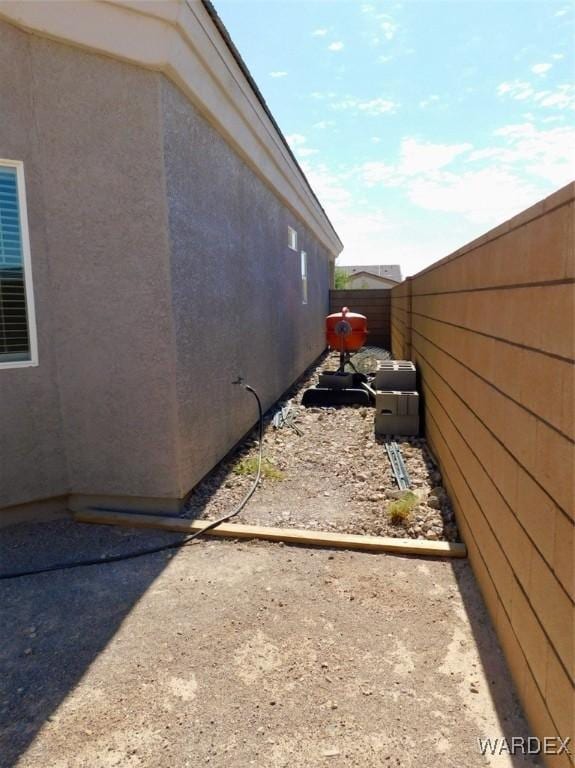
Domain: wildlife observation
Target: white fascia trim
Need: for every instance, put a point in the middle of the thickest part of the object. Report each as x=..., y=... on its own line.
x=180, y=39
x=27, y=264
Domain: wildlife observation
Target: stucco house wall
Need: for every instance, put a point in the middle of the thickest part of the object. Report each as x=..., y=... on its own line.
x=32, y=456
x=236, y=287
x=161, y=272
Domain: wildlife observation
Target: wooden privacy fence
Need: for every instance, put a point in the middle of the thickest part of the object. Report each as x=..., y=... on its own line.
x=375, y=304
x=491, y=330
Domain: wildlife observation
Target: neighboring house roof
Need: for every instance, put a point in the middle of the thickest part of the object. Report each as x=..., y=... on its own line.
x=372, y=276
x=389, y=271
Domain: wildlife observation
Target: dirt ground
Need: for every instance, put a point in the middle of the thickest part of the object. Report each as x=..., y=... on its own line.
x=231, y=654
x=332, y=473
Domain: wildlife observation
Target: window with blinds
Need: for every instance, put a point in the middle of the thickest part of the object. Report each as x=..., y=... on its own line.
x=303, y=277
x=15, y=335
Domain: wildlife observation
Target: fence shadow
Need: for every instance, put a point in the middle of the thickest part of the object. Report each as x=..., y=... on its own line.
x=512, y=721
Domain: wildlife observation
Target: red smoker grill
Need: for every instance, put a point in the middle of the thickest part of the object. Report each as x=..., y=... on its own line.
x=346, y=332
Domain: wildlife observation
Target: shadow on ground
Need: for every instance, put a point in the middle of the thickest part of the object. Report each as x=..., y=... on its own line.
x=393, y=625
x=74, y=614
x=494, y=666
x=56, y=624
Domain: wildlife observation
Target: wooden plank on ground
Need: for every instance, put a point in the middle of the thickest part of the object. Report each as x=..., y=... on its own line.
x=288, y=535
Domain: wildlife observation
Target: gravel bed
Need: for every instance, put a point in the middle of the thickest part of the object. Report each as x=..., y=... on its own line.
x=334, y=476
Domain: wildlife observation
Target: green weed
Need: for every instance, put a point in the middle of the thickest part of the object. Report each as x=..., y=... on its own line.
x=249, y=466
x=399, y=511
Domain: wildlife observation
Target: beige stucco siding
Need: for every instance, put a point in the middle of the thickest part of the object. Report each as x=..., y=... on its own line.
x=237, y=292
x=161, y=272
x=103, y=393
x=32, y=457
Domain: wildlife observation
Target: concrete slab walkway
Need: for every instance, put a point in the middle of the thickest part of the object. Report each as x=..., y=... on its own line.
x=244, y=654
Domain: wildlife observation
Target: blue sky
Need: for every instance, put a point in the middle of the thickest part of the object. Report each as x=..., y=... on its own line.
x=420, y=125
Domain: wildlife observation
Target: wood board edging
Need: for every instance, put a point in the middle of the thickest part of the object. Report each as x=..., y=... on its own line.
x=287, y=535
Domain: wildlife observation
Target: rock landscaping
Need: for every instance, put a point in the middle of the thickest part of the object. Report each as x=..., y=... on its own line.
x=328, y=471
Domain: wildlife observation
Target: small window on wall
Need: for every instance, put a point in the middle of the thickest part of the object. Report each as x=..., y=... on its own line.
x=303, y=277
x=292, y=239
x=18, y=346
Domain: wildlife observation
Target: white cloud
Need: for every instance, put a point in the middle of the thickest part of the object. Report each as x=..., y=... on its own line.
x=543, y=154
x=377, y=106
x=432, y=99
x=488, y=153
x=415, y=158
x=323, y=124
x=561, y=97
x=337, y=46
x=484, y=185
x=541, y=69
x=323, y=95
x=377, y=172
x=364, y=232
x=319, y=32
x=296, y=139
x=557, y=56
x=381, y=25
x=278, y=73
x=328, y=186
x=528, y=151
x=306, y=151
x=298, y=144
x=487, y=195
x=469, y=189
x=516, y=89
x=389, y=29
x=562, y=11
x=371, y=107
x=421, y=157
